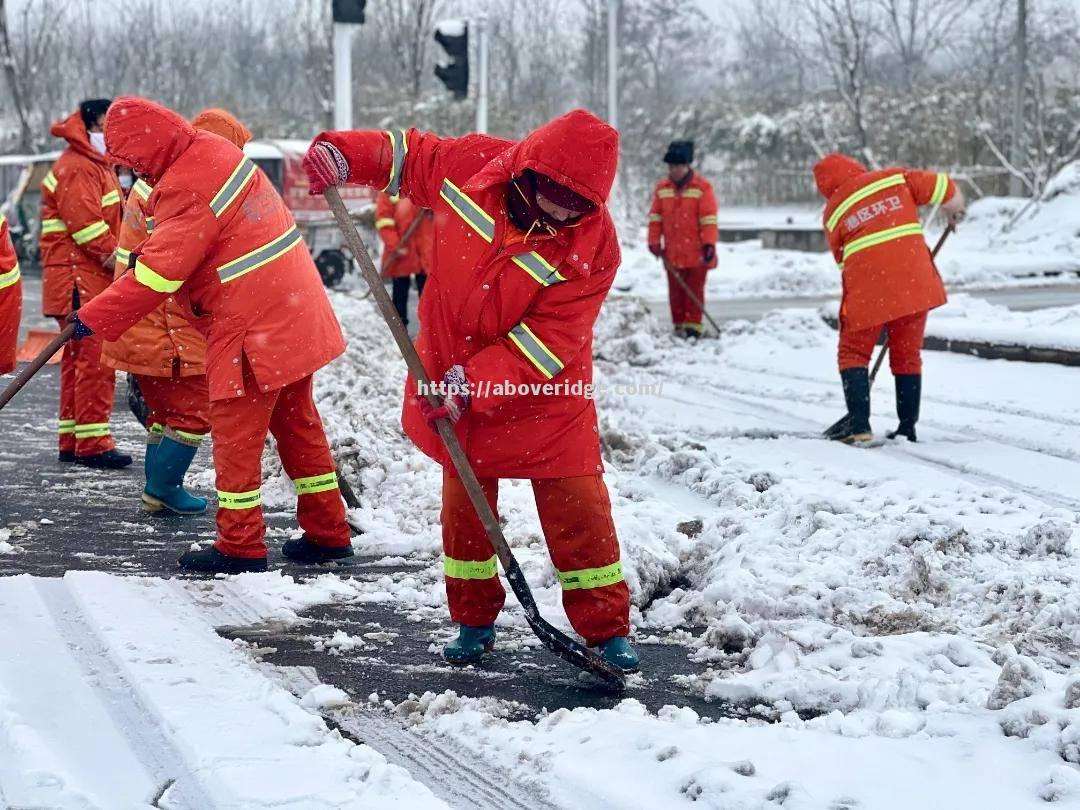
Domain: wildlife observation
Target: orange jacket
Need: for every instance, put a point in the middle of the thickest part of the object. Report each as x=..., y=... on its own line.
x=682, y=220
x=163, y=343
x=872, y=222
x=10, y=299
x=392, y=219
x=224, y=240
x=81, y=204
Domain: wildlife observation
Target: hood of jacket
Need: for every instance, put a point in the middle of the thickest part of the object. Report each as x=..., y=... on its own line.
x=833, y=170
x=223, y=123
x=73, y=130
x=576, y=150
x=146, y=136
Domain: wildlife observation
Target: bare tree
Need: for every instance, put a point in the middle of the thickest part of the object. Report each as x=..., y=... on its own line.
x=915, y=31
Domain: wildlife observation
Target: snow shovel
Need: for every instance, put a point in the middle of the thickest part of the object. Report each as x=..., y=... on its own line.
x=36, y=340
x=36, y=364
x=840, y=426
x=553, y=638
x=686, y=289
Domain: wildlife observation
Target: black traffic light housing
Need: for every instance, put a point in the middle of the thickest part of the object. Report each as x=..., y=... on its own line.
x=455, y=75
x=349, y=11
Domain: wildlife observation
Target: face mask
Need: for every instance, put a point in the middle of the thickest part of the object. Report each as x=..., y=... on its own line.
x=97, y=140
x=126, y=181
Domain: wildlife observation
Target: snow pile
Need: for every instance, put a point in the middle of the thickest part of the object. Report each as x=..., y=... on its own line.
x=974, y=319
x=672, y=757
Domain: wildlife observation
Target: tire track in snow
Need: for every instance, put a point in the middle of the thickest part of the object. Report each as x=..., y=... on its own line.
x=960, y=470
x=157, y=753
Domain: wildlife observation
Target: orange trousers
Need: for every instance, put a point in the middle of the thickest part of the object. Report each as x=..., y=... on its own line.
x=905, y=345
x=240, y=426
x=86, y=398
x=576, y=516
x=685, y=314
x=178, y=404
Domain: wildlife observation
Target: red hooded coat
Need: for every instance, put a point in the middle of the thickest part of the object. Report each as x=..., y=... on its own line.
x=512, y=311
x=872, y=222
x=226, y=247
x=10, y=299
x=81, y=206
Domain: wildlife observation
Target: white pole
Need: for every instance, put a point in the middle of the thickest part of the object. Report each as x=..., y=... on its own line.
x=613, y=62
x=482, y=85
x=1016, y=153
x=343, y=76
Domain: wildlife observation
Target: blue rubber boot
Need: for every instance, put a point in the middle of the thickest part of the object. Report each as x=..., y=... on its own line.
x=165, y=485
x=151, y=451
x=618, y=651
x=470, y=645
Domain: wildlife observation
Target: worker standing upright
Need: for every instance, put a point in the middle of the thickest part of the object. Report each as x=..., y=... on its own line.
x=526, y=252
x=10, y=299
x=871, y=219
x=81, y=206
x=226, y=246
x=167, y=355
x=394, y=220
x=682, y=233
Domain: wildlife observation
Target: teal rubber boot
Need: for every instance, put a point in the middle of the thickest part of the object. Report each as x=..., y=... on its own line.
x=165, y=484
x=148, y=460
x=470, y=645
x=617, y=651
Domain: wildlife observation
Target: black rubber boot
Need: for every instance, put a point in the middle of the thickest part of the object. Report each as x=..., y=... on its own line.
x=908, y=398
x=212, y=561
x=303, y=550
x=857, y=396
x=66, y=456
x=109, y=460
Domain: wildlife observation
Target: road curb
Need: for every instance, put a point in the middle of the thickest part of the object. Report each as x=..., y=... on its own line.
x=993, y=351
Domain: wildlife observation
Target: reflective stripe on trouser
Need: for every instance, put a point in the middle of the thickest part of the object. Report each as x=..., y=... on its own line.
x=685, y=314
x=905, y=345
x=576, y=517
x=239, y=428
x=86, y=398
x=179, y=404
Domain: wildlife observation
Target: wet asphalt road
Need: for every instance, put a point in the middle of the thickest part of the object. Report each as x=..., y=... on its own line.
x=65, y=517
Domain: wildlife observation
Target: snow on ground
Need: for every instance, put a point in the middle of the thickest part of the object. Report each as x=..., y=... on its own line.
x=913, y=609
x=122, y=694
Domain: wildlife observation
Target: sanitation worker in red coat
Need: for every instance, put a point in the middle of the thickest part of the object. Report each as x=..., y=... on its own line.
x=525, y=254
x=396, y=219
x=81, y=207
x=682, y=233
x=226, y=248
x=889, y=279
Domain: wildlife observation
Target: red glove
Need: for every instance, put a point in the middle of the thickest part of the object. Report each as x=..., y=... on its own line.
x=656, y=250
x=325, y=166
x=455, y=391
x=708, y=253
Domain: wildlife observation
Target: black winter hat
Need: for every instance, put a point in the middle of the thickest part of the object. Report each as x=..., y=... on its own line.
x=92, y=109
x=680, y=152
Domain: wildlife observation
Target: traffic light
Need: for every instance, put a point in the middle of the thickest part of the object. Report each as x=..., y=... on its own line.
x=453, y=35
x=349, y=11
